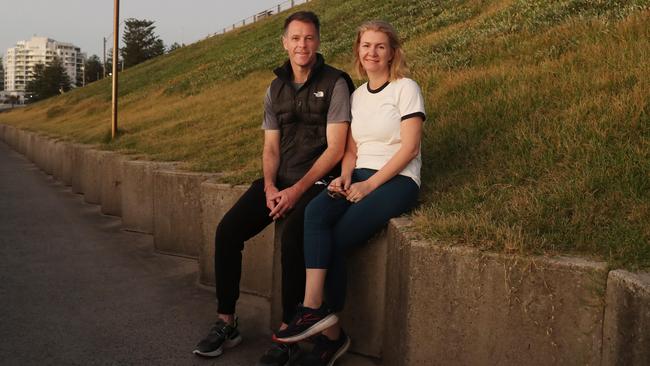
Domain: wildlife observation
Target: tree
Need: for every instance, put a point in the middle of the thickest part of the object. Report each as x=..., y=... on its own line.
x=13, y=100
x=93, y=69
x=175, y=46
x=109, y=62
x=140, y=42
x=47, y=81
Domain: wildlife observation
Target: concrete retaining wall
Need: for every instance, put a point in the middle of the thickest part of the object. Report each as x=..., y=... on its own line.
x=257, y=266
x=67, y=163
x=626, y=339
x=48, y=157
x=111, y=183
x=57, y=160
x=27, y=146
x=459, y=306
x=177, y=212
x=92, y=174
x=138, y=194
x=9, y=136
x=36, y=143
x=409, y=302
x=77, y=163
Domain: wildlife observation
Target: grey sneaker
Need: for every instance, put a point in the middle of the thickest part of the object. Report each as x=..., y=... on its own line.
x=280, y=354
x=221, y=336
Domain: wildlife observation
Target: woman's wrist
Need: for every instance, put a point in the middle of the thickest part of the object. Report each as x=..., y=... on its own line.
x=372, y=183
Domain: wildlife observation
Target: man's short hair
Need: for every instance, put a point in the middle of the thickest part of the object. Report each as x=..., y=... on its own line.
x=305, y=17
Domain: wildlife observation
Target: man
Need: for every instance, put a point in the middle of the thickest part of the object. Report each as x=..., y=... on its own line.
x=306, y=118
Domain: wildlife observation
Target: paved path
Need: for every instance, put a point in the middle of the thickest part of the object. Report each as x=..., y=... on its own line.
x=75, y=289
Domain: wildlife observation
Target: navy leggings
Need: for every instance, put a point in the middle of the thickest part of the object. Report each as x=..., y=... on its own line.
x=333, y=226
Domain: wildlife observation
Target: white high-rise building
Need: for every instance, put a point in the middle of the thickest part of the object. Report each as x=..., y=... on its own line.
x=19, y=61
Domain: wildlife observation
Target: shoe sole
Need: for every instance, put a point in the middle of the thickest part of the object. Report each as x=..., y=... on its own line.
x=323, y=324
x=340, y=352
x=216, y=353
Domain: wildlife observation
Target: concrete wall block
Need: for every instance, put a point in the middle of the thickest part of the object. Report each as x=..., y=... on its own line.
x=21, y=135
x=138, y=193
x=57, y=162
x=399, y=239
x=111, y=183
x=77, y=167
x=91, y=175
x=67, y=161
x=177, y=212
x=257, y=257
x=14, y=136
x=42, y=152
x=464, y=307
x=626, y=336
x=27, y=145
x=363, y=317
x=8, y=135
x=17, y=135
x=49, y=157
x=37, y=146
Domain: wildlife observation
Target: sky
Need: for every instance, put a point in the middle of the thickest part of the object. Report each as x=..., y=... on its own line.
x=84, y=23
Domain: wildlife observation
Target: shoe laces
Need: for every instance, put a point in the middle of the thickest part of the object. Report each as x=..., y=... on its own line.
x=220, y=328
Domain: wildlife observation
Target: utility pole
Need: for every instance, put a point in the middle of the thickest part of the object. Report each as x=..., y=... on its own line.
x=116, y=37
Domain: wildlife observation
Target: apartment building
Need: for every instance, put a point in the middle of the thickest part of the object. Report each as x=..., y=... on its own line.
x=19, y=61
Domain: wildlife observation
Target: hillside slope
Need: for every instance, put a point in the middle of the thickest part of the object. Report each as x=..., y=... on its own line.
x=538, y=132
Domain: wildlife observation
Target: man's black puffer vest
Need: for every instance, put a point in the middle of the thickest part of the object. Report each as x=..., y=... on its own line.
x=302, y=117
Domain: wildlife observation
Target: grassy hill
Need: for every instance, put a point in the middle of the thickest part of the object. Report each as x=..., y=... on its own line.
x=538, y=132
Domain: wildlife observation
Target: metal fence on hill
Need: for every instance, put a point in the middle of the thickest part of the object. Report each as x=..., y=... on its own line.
x=283, y=6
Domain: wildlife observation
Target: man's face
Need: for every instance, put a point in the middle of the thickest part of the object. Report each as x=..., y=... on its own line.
x=301, y=42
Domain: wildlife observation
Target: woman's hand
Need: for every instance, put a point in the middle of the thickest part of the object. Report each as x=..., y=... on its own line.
x=359, y=190
x=340, y=185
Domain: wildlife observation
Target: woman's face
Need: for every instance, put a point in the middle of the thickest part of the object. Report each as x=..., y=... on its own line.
x=375, y=52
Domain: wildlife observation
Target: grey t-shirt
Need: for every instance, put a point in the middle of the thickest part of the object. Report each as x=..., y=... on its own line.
x=339, y=109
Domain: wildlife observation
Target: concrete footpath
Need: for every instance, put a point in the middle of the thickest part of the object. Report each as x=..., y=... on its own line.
x=76, y=289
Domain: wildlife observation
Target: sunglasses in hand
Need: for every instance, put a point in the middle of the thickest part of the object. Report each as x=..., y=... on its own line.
x=340, y=193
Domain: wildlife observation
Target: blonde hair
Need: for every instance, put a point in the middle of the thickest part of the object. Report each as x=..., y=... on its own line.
x=398, y=68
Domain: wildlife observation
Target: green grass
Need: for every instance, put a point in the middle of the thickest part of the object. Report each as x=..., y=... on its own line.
x=538, y=132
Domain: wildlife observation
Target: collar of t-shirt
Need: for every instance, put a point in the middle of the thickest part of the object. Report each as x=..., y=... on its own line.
x=297, y=86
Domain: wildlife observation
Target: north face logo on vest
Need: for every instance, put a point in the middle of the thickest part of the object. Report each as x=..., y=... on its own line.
x=319, y=94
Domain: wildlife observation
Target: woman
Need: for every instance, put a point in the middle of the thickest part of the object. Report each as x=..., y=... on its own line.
x=380, y=179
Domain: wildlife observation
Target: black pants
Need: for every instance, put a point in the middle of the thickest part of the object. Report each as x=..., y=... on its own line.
x=243, y=221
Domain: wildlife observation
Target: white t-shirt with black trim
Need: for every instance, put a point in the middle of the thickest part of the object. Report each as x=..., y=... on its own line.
x=376, y=119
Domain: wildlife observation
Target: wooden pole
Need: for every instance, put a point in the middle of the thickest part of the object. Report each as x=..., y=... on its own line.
x=116, y=37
